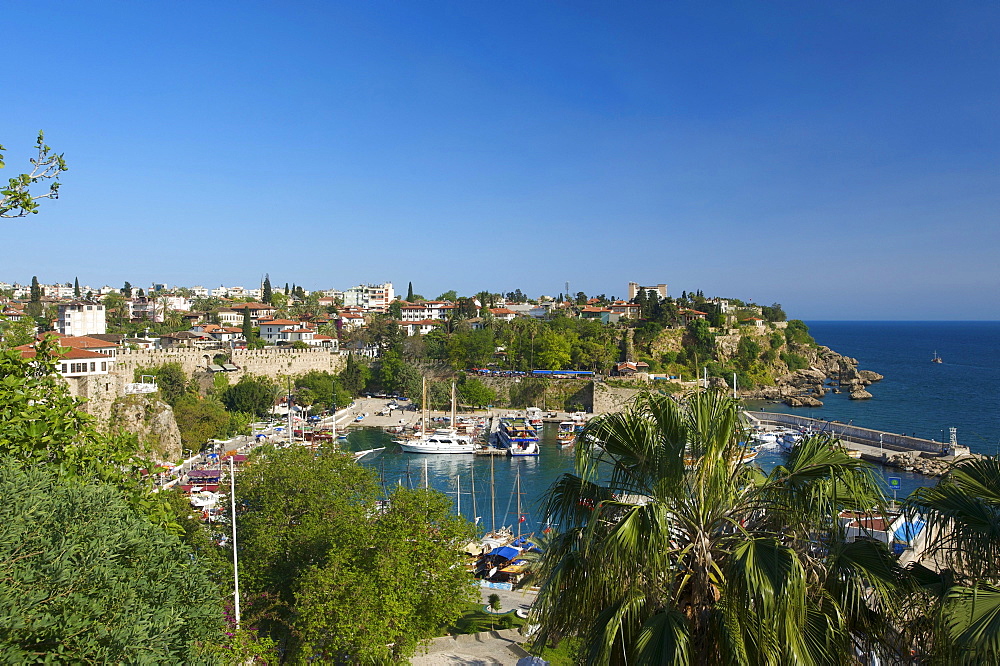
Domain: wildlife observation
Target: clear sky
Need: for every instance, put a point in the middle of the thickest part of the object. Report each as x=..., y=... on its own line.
x=840, y=158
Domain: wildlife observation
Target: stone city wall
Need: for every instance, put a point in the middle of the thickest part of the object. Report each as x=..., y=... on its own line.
x=266, y=362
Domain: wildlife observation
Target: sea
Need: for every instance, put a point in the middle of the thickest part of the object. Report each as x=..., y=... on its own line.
x=916, y=397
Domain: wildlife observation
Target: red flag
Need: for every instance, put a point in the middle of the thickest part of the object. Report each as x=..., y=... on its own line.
x=522, y=519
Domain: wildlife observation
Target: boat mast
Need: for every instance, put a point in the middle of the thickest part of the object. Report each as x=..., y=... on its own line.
x=288, y=403
x=493, y=496
x=458, y=496
x=423, y=416
x=454, y=426
x=517, y=485
x=475, y=517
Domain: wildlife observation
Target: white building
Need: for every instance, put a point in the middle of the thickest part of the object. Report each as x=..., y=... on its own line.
x=439, y=310
x=658, y=291
x=370, y=296
x=82, y=318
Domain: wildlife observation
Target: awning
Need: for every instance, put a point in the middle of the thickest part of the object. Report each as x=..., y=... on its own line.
x=229, y=367
x=506, y=552
x=215, y=368
x=908, y=531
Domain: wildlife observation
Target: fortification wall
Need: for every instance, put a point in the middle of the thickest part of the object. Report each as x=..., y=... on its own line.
x=100, y=391
x=613, y=398
x=266, y=362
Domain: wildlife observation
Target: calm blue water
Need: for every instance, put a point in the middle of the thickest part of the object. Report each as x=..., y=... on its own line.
x=916, y=396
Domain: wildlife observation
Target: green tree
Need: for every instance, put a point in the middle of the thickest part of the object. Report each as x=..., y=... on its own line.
x=332, y=578
x=678, y=553
x=76, y=287
x=16, y=200
x=552, y=351
x=127, y=289
x=773, y=312
x=475, y=393
x=409, y=293
x=171, y=380
x=450, y=295
x=200, y=420
x=16, y=333
x=86, y=579
x=355, y=375
x=266, y=292
x=36, y=290
x=251, y=395
x=396, y=310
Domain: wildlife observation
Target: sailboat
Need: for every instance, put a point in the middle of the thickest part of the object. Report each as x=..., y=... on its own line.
x=936, y=358
x=441, y=440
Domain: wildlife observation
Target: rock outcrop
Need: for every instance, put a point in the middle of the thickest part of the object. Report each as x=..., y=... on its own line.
x=861, y=394
x=803, y=401
x=152, y=421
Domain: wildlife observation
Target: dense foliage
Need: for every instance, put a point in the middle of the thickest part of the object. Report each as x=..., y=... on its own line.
x=86, y=579
x=334, y=576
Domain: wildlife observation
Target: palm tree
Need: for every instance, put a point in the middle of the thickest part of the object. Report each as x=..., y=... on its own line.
x=671, y=551
x=962, y=584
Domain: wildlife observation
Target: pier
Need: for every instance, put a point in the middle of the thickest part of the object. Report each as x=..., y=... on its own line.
x=924, y=456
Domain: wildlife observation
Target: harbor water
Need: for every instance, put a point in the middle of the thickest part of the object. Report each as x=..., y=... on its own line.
x=916, y=396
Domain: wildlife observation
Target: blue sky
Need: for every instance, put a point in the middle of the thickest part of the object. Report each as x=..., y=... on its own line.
x=842, y=159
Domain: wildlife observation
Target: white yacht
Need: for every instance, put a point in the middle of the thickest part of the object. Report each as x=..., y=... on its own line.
x=442, y=440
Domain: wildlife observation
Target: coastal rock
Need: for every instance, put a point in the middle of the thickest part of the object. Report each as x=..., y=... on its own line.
x=861, y=394
x=870, y=376
x=803, y=401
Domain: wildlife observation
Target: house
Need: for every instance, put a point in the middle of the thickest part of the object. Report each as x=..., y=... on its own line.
x=689, y=315
x=604, y=315
x=627, y=369
x=75, y=362
x=271, y=330
x=423, y=327
x=626, y=310
x=359, y=348
x=233, y=316
x=755, y=322
x=81, y=318
x=183, y=340
x=351, y=321
x=504, y=314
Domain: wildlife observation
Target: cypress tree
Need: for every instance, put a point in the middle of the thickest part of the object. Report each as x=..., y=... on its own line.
x=76, y=287
x=36, y=290
x=409, y=293
x=247, y=327
x=266, y=291
x=127, y=289
x=286, y=289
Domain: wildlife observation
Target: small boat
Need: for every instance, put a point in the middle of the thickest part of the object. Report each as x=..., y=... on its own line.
x=936, y=358
x=566, y=434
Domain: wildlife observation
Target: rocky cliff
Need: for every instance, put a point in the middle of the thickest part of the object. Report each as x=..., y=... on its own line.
x=827, y=371
x=151, y=420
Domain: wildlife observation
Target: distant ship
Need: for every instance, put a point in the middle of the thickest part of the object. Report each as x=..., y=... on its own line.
x=936, y=358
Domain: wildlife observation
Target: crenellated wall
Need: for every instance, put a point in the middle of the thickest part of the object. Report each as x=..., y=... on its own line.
x=266, y=362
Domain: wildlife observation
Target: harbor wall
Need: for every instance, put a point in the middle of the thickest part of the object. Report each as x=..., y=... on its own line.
x=868, y=436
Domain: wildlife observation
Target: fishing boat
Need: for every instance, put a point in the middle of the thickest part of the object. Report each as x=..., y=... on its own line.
x=936, y=358
x=566, y=434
